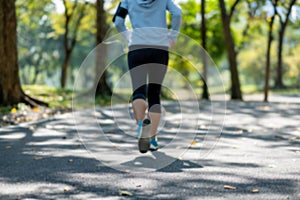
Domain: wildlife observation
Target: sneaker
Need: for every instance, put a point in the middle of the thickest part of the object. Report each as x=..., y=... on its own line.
x=139, y=129
x=153, y=144
x=143, y=135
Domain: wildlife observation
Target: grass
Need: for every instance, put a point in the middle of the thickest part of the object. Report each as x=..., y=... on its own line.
x=57, y=98
x=253, y=89
x=287, y=91
x=250, y=89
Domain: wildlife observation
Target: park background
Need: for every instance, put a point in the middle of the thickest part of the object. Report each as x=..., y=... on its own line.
x=254, y=44
x=251, y=153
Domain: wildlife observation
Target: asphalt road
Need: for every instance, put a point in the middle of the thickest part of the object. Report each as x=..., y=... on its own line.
x=252, y=152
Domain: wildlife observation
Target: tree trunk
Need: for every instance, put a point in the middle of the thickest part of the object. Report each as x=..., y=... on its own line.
x=278, y=81
x=268, y=60
x=10, y=87
x=283, y=25
x=102, y=87
x=69, y=43
x=205, y=94
x=65, y=68
x=230, y=46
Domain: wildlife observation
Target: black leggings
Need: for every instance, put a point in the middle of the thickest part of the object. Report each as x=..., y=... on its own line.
x=148, y=67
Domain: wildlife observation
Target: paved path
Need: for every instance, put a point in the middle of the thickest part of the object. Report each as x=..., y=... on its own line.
x=256, y=157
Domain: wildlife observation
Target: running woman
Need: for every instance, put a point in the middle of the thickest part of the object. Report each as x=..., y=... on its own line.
x=148, y=58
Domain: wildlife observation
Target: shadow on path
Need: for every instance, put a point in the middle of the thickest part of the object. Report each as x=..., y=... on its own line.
x=259, y=149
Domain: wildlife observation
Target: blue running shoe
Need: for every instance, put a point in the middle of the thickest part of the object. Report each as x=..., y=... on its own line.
x=143, y=135
x=153, y=144
x=139, y=129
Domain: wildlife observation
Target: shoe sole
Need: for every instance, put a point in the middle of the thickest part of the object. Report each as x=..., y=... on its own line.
x=144, y=145
x=144, y=140
x=153, y=149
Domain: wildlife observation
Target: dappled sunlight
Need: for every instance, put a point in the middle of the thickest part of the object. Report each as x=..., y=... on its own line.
x=249, y=157
x=12, y=136
x=26, y=188
x=216, y=138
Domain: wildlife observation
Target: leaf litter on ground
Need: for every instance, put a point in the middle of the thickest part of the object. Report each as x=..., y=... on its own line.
x=124, y=193
x=229, y=187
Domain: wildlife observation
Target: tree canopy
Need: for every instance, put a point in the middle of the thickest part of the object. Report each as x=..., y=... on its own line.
x=44, y=39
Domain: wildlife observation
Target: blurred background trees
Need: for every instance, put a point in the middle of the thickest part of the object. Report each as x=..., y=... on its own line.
x=54, y=37
x=11, y=91
x=10, y=87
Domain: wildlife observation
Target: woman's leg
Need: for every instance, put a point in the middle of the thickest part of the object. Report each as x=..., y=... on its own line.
x=139, y=107
x=156, y=76
x=155, y=120
x=154, y=112
x=138, y=76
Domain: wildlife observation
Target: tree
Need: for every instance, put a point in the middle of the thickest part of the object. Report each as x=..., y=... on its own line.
x=70, y=36
x=10, y=88
x=230, y=46
x=37, y=48
x=253, y=10
x=268, y=59
x=283, y=20
x=205, y=94
x=102, y=87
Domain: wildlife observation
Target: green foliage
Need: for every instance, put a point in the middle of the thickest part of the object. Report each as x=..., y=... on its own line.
x=41, y=28
x=87, y=25
x=191, y=26
x=292, y=64
x=56, y=97
x=38, y=52
x=190, y=19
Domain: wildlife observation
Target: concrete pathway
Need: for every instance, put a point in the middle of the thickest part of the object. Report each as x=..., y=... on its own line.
x=252, y=152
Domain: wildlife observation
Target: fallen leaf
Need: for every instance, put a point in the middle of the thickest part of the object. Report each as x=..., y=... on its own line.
x=36, y=109
x=37, y=158
x=193, y=143
x=229, y=187
x=124, y=193
x=32, y=128
x=255, y=191
x=280, y=137
x=13, y=110
x=67, y=189
x=264, y=108
x=293, y=139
